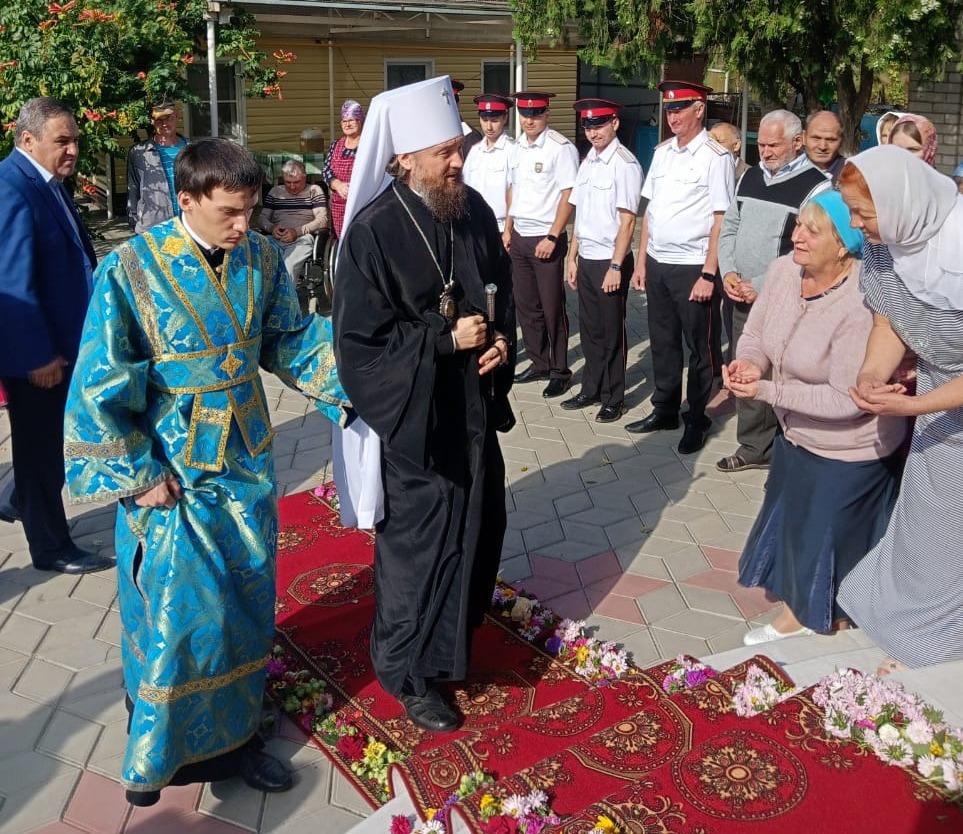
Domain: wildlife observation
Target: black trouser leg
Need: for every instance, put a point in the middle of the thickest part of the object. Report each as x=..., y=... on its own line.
x=755, y=420
x=37, y=437
x=539, y=291
x=602, y=329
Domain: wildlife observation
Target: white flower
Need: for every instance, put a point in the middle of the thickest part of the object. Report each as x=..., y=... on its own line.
x=515, y=806
x=928, y=765
x=537, y=799
x=888, y=734
x=952, y=775
x=919, y=732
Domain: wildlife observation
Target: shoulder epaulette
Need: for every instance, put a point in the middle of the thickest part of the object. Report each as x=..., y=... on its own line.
x=626, y=154
x=510, y=140
x=555, y=136
x=715, y=146
x=664, y=142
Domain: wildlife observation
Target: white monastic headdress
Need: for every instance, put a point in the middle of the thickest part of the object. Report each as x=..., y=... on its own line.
x=404, y=120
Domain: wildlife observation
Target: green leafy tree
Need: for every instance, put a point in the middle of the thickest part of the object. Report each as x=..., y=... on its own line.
x=824, y=50
x=106, y=59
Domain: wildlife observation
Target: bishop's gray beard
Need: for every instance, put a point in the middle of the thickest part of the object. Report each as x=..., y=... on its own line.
x=445, y=199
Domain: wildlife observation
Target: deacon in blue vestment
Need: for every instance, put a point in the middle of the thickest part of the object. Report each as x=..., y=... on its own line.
x=167, y=414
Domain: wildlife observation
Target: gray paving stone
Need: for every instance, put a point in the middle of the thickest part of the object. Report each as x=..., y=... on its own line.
x=102, y=707
x=56, y=610
x=731, y=638
x=600, y=516
x=83, y=654
x=626, y=533
x=661, y=604
x=585, y=533
x=302, y=800
x=11, y=668
x=330, y=820
x=540, y=535
x=686, y=562
x=713, y=602
x=569, y=506
x=21, y=725
x=345, y=796
x=642, y=648
x=72, y=631
x=30, y=769
x=43, y=682
x=658, y=546
x=110, y=629
x=695, y=623
x=234, y=802
x=69, y=738
x=97, y=589
x=570, y=551
x=515, y=568
x=642, y=564
x=738, y=523
x=514, y=544
x=666, y=529
x=109, y=748
x=670, y=644
x=27, y=809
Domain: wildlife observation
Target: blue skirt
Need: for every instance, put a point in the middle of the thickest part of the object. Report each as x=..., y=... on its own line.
x=818, y=519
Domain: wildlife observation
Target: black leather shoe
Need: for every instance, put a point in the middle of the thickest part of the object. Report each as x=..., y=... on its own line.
x=654, y=422
x=578, y=401
x=556, y=387
x=265, y=773
x=430, y=711
x=609, y=414
x=81, y=561
x=694, y=436
x=531, y=375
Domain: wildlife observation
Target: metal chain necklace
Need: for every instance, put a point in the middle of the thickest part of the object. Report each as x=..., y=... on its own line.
x=446, y=301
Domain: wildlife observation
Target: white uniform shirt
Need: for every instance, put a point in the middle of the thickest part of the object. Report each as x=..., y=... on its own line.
x=684, y=187
x=539, y=172
x=606, y=182
x=486, y=170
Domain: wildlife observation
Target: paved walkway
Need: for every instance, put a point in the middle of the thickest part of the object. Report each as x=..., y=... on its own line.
x=615, y=528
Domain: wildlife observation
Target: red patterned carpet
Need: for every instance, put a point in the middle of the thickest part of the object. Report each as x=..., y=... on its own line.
x=649, y=761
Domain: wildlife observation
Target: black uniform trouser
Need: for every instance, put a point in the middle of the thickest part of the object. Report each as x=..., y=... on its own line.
x=721, y=320
x=539, y=290
x=37, y=438
x=672, y=318
x=601, y=318
x=755, y=420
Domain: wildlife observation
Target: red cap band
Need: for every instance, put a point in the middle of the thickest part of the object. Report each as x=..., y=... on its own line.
x=598, y=112
x=492, y=107
x=533, y=102
x=683, y=94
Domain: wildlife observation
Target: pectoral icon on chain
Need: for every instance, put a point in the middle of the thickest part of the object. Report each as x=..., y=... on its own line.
x=446, y=302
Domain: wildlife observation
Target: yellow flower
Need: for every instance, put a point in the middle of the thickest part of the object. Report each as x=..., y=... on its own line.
x=430, y=813
x=936, y=749
x=606, y=825
x=581, y=654
x=487, y=801
x=374, y=750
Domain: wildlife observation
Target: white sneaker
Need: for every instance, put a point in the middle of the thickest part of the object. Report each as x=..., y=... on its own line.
x=768, y=634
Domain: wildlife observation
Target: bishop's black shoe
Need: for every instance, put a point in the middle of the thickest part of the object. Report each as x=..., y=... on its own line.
x=430, y=711
x=264, y=773
x=654, y=422
x=556, y=387
x=531, y=375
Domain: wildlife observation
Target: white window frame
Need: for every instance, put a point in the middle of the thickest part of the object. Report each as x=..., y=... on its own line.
x=428, y=63
x=240, y=133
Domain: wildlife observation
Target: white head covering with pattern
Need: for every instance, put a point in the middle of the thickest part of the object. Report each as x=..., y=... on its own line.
x=920, y=217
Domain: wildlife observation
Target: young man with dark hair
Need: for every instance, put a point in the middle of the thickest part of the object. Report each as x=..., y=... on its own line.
x=167, y=415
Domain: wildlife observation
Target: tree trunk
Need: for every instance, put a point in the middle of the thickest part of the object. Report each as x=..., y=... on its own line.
x=853, y=101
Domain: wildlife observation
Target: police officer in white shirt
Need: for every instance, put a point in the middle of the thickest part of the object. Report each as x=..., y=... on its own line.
x=486, y=166
x=606, y=200
x=689, y=187
x=542, y=171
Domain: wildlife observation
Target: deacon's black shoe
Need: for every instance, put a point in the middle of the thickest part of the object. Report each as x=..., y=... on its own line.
x=694, y=436
x=430, y=711
x=531, y=375
x=578, y=401
x=556, y=387
x=654, y=422
x=264, y=773
x=608, y=414
x=80, y=561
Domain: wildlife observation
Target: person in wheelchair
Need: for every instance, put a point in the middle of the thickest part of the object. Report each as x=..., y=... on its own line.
x=293, y=214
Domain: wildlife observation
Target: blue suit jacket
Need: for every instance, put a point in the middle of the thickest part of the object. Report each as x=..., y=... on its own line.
x=43, y=285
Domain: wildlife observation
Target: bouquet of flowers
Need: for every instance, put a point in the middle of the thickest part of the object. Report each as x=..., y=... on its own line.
x=517, y=814
x=532, y=619
x=600, y=662
x=435, y=817
x=759, y=692
x=685, y=674
x=301, y=696
x=899, y=727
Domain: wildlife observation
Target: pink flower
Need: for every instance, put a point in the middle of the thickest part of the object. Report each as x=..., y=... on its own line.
x=400, y=824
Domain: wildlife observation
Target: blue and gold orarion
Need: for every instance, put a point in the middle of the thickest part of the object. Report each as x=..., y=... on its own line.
x=168, y=382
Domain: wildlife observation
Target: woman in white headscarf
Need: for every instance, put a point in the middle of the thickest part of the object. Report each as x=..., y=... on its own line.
x=907, y=593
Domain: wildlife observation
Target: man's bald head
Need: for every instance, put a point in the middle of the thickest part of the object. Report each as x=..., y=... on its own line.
x=728, y=136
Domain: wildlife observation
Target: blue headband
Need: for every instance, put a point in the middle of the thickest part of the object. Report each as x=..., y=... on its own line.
x=832, y=203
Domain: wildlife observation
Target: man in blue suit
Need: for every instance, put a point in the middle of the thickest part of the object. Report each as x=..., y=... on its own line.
x=46, y=264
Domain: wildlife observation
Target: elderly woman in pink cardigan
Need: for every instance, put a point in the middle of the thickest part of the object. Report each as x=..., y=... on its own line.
x=833, y=479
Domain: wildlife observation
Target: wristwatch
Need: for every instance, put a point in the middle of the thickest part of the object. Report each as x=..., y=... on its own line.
x=551, y=237
x=709, y=276
x=615, y=267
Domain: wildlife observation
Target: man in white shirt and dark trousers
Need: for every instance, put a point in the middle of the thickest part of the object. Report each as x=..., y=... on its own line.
x=606, y=200
x=486, y=166
x=541, y=173
x=689, y=187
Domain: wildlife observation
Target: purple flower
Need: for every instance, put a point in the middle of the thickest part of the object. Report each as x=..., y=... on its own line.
x=275, y=668
x=553, y=645
x=695, y=676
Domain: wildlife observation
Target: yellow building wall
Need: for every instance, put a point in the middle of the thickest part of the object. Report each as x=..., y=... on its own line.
x=359, y=73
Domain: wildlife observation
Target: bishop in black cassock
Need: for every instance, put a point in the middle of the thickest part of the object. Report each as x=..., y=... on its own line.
x=438, y=547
